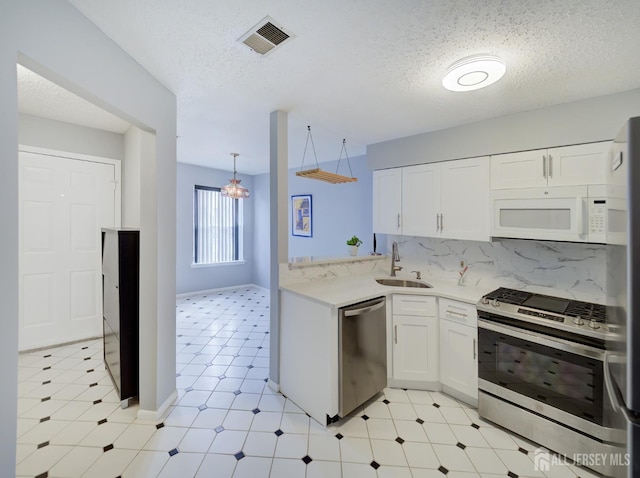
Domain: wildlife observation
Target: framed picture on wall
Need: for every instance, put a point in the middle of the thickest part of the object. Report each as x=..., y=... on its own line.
x=301, y=216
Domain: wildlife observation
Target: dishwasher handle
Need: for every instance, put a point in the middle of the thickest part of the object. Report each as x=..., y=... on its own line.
x=365, y=310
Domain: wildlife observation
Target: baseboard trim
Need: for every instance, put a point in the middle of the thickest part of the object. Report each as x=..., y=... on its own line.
x=414, y=385
x=47, y=345
x=273, y=386
x=209, y=291
x=155, y=415
x=469, y=400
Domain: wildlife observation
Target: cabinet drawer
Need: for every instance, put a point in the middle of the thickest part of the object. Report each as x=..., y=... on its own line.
x=458, y=312
x=414, y=305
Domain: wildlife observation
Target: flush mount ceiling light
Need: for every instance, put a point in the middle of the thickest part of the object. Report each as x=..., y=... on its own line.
x=474, y=72
x=234, y=190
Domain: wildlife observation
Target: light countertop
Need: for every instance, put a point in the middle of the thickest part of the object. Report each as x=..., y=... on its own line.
x=343, y=291
x=312, y=261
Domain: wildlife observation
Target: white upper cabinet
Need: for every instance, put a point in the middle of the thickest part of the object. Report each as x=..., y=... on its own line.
x=387, y=201
x=464, y=198
x=519, y=170
x=420, y=200
x=577, y=165
x=448, y=199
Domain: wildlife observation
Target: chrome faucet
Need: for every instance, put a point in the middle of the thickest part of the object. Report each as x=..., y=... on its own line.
x=395, y=257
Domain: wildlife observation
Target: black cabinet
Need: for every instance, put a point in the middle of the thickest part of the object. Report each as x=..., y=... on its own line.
x=120, y=305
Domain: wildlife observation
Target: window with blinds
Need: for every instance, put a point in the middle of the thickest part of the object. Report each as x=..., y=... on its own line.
x=217, y=226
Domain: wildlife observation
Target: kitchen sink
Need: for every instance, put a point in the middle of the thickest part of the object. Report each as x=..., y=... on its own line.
x=403, y=283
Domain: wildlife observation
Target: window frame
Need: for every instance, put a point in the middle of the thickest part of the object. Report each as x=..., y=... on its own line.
x=237, y=256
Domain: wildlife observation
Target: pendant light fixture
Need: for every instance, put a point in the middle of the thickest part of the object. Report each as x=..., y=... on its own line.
x=233, y=189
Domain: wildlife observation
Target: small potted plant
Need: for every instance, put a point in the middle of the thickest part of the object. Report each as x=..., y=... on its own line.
x=353, y=244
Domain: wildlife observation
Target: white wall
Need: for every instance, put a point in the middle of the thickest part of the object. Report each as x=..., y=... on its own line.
x=139, y=148
x=585, y=121
x=56, y=41
x=261, y=230
x=59, y=136
x=192, y=279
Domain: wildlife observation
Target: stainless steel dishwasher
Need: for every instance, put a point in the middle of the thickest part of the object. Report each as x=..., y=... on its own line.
x=362, y=348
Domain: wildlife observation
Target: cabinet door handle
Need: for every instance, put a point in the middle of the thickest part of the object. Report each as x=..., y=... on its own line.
x=544, y=166
x=453, y=312
x=441, y=222
x=398, y=220
x=550, y=166
x=474, y=349
x=395, y=334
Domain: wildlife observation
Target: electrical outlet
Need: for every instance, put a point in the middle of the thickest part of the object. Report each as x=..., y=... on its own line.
x=462, y=263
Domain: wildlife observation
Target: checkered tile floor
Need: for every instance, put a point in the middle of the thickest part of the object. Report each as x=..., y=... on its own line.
x=228, y=423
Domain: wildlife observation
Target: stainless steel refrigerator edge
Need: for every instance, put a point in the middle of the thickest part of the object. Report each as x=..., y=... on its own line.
x=622, y=363
x=362, y=346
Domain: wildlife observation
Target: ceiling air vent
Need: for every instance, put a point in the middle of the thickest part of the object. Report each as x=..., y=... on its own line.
x=264, y=36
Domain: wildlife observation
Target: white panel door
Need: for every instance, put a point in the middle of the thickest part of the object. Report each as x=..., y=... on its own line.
x=420, y=200
x=63, y=204
x=465, y=199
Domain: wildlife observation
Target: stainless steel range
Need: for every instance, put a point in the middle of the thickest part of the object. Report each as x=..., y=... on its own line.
x=540, y=367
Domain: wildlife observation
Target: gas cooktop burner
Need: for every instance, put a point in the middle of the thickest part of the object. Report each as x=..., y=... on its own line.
x=571, y=315
x=586, y=311
x=508, y=296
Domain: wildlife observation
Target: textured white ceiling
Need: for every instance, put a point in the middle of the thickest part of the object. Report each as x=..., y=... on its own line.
x=364, y=70
x=41, y=97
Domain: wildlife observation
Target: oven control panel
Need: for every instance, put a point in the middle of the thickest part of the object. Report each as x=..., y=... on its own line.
x=597, y=220
x=541, y=315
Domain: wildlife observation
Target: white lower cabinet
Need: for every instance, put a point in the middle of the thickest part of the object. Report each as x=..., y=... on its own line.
x=459, y=350
x=415, y=354
x=434, y=348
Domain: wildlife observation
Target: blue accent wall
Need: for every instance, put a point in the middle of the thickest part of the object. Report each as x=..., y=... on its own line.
x=339, y=211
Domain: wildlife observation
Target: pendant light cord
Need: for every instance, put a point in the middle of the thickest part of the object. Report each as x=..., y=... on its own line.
x=234, y=165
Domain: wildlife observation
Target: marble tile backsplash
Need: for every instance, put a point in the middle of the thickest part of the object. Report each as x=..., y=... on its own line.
x=571, y=269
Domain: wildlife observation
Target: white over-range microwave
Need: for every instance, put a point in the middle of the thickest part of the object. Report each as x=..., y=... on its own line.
x=567, y=213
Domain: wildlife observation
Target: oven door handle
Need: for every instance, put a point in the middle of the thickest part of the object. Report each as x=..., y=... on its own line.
x=612, y=392
x=553, y=342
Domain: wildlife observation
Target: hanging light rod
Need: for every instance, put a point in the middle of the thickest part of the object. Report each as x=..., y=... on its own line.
x=319, y=174
x=233, y=189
